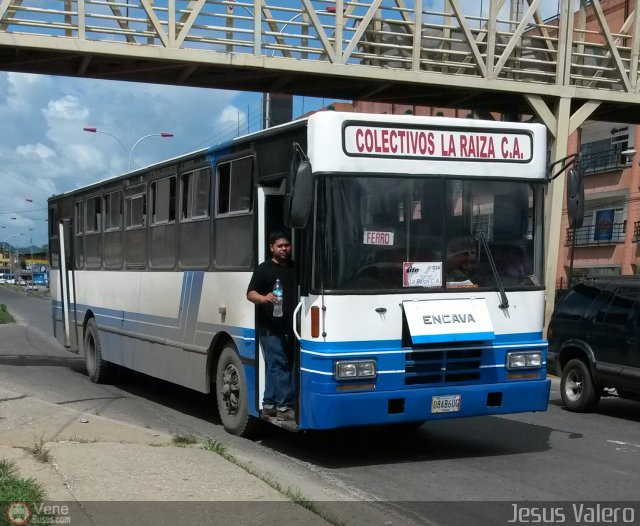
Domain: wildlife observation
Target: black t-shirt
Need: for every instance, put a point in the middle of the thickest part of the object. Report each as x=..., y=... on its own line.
x=262, y=282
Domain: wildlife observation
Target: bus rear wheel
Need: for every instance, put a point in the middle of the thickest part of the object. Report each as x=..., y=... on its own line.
x=231, y=394
x=98, y=369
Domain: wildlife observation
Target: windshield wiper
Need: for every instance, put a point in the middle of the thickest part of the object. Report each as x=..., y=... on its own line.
x=503, y=295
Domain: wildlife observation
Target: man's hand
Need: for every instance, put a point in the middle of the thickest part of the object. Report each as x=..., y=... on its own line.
x=257, y=298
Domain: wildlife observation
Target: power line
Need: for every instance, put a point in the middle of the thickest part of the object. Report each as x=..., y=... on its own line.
x=24, y=182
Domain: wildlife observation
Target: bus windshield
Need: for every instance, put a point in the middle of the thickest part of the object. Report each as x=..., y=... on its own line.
x=373, y=232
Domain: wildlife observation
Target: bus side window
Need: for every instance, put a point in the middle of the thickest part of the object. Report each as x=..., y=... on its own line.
x=234, y=214
x=194, y=237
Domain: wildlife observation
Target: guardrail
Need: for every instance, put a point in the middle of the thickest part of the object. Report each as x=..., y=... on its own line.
x=596, y=235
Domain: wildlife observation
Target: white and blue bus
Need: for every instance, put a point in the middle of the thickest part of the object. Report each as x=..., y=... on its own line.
x=419, y=257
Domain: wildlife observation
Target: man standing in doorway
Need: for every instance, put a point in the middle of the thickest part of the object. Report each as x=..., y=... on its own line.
x=275, y=333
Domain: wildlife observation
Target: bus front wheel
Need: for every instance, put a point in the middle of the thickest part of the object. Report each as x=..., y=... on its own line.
x=231, y=394
x=99, y=370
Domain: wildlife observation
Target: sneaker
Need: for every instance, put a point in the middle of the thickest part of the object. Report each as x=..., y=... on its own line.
x=286, y=413
x=269, y=410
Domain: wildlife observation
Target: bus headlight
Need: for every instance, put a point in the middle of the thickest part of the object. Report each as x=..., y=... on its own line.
x=355, y=369
x=524, y=360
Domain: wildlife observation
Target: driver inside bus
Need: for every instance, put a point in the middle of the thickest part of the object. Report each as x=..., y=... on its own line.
x=461, y=263
x=275, y=332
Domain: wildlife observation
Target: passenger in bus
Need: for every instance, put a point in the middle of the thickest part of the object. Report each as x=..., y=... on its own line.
x=275, y=333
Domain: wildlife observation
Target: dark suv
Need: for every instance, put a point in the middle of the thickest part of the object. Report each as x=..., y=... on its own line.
x=594, y=341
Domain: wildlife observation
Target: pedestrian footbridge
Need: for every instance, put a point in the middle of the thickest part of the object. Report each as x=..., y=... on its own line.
x=491, y=55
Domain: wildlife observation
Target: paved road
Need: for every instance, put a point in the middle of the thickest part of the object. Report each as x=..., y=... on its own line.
x=552, y=456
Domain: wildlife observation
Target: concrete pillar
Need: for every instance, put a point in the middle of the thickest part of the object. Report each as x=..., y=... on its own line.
x=554, y=204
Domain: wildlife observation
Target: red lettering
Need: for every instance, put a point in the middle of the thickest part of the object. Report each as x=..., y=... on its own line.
x=368, y=138
x=483, y=147
x=473, y=146
x=505, y=152
x=452, y=147
x=413, y=142
x=491, y=151
x=385, y=140
x=359, y=143
x=430, y=140
x=393, y=135
x=516, y=149
x=422, y=138
x=402, y=134
x=463, y=146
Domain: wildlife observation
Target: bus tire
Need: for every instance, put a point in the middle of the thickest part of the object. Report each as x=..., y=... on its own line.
x=98, y=369
x=231, y=394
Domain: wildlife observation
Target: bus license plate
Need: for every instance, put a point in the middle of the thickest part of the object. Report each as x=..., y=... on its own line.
x=445, y=404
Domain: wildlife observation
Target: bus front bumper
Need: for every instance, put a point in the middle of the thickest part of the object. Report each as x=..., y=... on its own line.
x=327, y=411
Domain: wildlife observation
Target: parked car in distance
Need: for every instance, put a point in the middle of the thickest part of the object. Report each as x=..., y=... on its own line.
x=594, y=341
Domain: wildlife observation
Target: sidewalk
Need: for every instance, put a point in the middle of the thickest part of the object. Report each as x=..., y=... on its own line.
x=93, y=459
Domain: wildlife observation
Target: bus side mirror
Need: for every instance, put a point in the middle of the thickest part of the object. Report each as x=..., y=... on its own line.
x=298, y=200
x=575, y=198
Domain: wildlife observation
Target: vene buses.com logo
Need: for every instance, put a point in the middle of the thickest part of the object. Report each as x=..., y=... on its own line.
x=18, y=513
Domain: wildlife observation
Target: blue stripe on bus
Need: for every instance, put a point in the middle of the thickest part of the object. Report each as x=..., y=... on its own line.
x=372, y=345
x=453, y=337
x=320, y=357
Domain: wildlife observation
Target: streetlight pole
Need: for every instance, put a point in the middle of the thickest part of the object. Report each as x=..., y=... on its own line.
x=11, y=261
x=161, y=134
x=92, y=129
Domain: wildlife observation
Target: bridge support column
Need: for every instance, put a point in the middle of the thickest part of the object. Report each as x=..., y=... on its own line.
x=554, y=203
x=560, y=125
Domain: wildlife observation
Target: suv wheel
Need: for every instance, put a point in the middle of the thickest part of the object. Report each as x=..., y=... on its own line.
x=576, y=387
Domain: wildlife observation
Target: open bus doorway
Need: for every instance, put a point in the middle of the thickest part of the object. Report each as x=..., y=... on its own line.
x=271, y=219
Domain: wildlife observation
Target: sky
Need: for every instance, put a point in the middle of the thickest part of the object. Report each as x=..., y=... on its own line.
x=44, y=150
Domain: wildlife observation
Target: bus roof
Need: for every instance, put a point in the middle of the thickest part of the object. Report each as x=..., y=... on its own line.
x=391, y=144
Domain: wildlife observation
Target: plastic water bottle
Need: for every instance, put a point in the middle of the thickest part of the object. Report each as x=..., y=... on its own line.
x=277, y=292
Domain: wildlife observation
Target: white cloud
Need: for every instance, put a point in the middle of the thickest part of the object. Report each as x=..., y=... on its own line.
x=67, y=108
x=38, y=150
x=232, y=115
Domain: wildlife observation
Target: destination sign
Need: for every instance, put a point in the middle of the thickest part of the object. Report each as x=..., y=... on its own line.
x=437, y=143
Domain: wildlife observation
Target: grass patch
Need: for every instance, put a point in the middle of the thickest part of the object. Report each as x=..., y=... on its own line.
x=15, y=488
x=39, y=450
x=292, y=494
x=184, y=440
x=5, y=315
x=217, y=447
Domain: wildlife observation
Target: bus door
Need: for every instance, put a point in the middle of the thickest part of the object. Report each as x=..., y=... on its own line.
x=66, y=288
x=270, y=207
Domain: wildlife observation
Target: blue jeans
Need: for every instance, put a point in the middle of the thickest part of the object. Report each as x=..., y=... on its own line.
x=279, y=388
